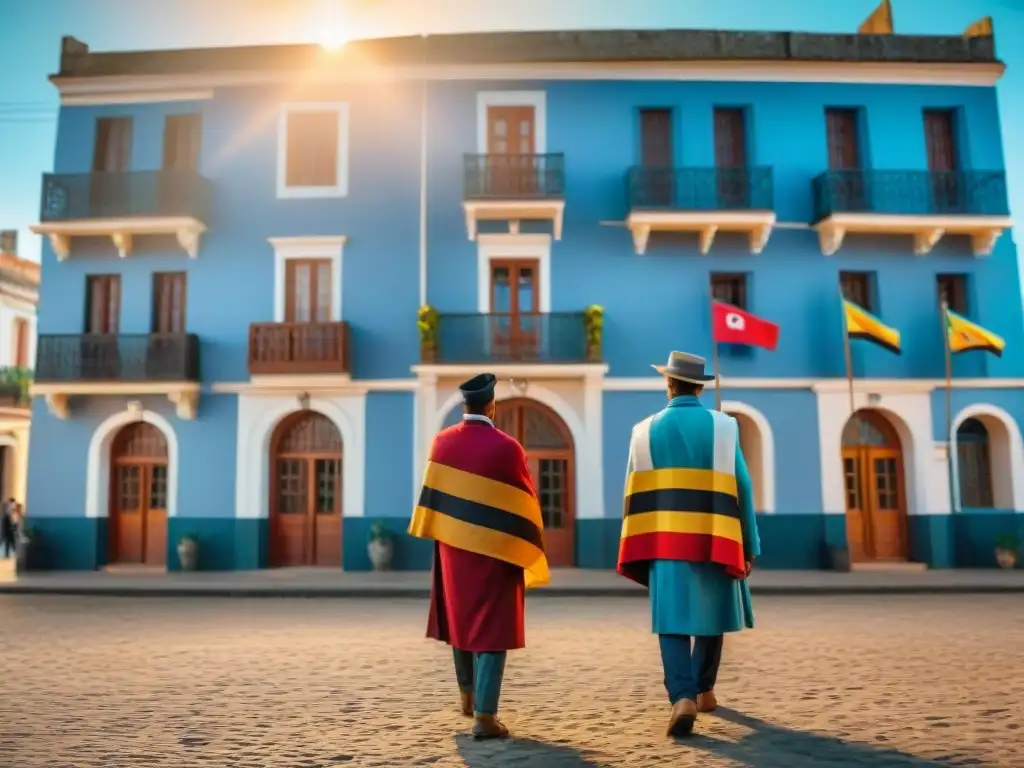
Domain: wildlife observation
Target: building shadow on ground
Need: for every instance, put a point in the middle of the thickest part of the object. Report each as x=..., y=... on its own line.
x=527, y=753
x=773, y=746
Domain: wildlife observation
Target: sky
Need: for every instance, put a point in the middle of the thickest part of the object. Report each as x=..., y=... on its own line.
x=32, y=30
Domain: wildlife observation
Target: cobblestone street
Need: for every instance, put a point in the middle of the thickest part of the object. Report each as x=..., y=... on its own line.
x=848, y=681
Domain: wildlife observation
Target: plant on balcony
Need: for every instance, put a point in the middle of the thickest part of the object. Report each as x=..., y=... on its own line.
x=1007, y=550
x=381, y=546
x=15, y=383
x=593, y=322
x=426, y=321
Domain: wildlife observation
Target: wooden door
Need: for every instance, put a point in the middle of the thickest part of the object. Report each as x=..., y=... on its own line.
x=551, y=457
x=847, y=181
x=515, y=310
x=731, y=159
x=306, y=509
x=656, y=158
x=511, y=158
x=109, y=190
x=943, y=160
x=99, y=359
x=21, y=342
x=876, y=517
x=138, y=498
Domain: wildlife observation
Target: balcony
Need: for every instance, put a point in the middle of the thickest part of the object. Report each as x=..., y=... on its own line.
x=122, y=206
x=705, y=201
x=299, y=348
x=513, y=188
x=924, y=205
x=112, y=364
x=534, y=338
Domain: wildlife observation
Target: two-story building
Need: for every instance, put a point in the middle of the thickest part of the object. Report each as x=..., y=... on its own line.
x=267, y=270
x=19, y=293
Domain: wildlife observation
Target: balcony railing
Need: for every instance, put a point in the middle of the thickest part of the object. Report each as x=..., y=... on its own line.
x=298, y=348
x=538, y=337
x=135, y=358
x=700, y=189
x=513, y=177
x=104, y=195
x=910, y=193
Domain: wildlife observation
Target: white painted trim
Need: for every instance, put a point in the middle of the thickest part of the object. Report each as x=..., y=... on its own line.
x=97, y=467
x=314, y=384
x=257, y=419
x=586, y=439
x=518, y=370
x=136, y=97
x=187, y=230
x=340, y=188
x=875, y=73
x=317, y=247
x=874, y=386
x=766, y=459
x=495, y=247
x=1006, y=454
x=535, y=99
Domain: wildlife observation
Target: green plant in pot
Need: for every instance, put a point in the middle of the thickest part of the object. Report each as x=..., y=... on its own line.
x=593, y=323
x=426, y=322
x=1007, y=550
x=381, y=546
x=188, y=552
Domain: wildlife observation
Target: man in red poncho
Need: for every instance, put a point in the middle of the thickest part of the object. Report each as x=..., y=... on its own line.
x=479, y=506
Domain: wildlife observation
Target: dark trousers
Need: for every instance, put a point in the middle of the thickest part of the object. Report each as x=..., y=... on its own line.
x=690, y=667
x=482, y=674
x=9, y=541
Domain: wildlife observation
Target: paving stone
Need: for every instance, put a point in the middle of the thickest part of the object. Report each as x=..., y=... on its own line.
x=894, y=682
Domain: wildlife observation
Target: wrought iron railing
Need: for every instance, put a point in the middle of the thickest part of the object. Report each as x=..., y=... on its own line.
x=536, y=337
x=298, y=348
x=700, y=189
x=513, y=177
x=153, y=357
x=69, y=197
x=910, y=193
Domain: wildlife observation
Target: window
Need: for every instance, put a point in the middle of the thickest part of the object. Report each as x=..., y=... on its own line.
x=312, y=150
x=169, y=302
x=656, y=138
x=102, y=303
x=182, y=138
x=857, y=288
x=307, y=291
x=730, y=288
x=952, y=289
x=730, y=137
x=974, y=462
x=842, y=132
x=514, y=287
x=112, y=150
x=21, y=342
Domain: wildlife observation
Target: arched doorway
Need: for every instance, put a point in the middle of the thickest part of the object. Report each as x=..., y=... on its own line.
x=551, y=456
x=876, y=507
x=138, y=498
x=305, y=491
x=753, y=454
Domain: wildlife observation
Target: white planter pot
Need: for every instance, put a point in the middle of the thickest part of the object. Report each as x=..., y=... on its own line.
x=188, y=555
x=381, y=551
x=1006, y=558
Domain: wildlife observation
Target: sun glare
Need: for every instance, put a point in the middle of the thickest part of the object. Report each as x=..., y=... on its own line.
x=331, y=38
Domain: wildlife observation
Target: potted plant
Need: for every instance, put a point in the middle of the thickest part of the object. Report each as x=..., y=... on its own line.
x=426, y=322
x=839, y=559
x=593, y=323
x=188, y=552
x=23, y=548
x=381, y=546
x=1007, y=550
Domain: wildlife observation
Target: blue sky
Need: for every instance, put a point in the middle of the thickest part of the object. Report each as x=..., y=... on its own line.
x=33, y=28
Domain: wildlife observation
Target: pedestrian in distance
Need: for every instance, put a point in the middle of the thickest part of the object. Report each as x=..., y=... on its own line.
x=479, y=507
x=689, y=534
x=9, y=526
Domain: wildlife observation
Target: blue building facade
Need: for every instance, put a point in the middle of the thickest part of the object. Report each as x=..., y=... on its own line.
x=267, y=270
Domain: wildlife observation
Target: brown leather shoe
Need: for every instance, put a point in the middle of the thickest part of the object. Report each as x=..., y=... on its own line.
x=466, y=702
x=488, y=727
x=707, y=702
x=684, y=715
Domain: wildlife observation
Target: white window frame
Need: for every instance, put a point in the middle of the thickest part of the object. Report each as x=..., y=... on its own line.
x=499, y=247
x=340, y=189
x=318, y=247
x=535, y=99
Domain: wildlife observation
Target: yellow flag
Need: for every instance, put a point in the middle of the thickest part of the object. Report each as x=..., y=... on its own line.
x=964, y=335
x=865, y=326
x=980, y=28
x=879, y=22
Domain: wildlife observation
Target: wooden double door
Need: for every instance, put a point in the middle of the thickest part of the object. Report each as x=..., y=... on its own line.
x=876, y=511
x=306, y=491
x=513, y=169
x=515, y=320
x=551, y=457
x=138, y=497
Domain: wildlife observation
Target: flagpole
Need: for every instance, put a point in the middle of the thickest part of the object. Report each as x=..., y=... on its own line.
x=949, y=402
x=847, y=354
x=714, y=359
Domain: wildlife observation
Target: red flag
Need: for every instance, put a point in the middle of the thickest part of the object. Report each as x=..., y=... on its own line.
x=731, y=325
